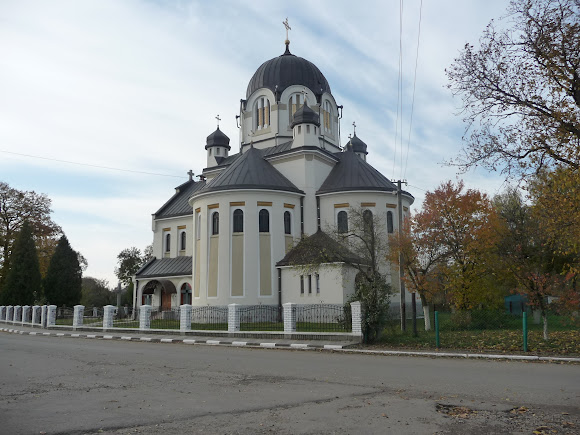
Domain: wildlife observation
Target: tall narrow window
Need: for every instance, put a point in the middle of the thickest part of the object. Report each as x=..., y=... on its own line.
x=264, y=221
x=301, y=284
x=368, y=222
x=317, y=284
x=186, y=294
x=198, y=228
x=183, y=239
x=342, y=222
x=309, y=284
x=238, y=221
x=294, y=104
x=167, y=242
x=215, y=223
x=390, y=228
x=287, y=223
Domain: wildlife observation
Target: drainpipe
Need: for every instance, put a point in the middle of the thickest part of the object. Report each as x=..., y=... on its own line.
x=279, y=294
x=301, y=216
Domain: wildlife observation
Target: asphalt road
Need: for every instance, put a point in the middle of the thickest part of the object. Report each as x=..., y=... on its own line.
x=73, y=386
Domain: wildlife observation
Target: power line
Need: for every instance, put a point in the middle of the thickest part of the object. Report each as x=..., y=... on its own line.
x=88, y=164
x=414, y=83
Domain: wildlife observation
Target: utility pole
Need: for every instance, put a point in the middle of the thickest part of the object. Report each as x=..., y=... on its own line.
x=401, y=259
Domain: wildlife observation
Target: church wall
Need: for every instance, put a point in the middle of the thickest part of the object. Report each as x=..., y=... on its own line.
x=259, y=251
x=172, y=226
x=336, y=283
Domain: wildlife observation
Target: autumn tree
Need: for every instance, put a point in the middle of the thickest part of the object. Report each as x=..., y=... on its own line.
x=63, y=284
x=460, y=223
x=16, y=207
x=520, y=90
x=23, y=281
x=418, y=246
x=130, y=261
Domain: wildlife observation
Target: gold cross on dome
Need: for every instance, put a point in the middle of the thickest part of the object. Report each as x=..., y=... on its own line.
x=218, y=120
x=285, y=22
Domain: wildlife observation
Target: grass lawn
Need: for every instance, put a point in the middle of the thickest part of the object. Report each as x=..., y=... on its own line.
x=564, y=337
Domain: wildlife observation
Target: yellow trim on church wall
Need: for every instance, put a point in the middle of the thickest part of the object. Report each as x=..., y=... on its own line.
x=342, y=205
x=213, y=206
x=237, y=203
x=264, y=203
x=391, y=205
x=181, y=227
x=286, y=205
x=368, y=204
x=166, y=229
x=198, y=209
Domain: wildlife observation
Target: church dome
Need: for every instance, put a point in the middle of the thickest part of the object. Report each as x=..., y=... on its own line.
x=305, y=115
x=287, y=70
x=217, y=138
x=356, y=145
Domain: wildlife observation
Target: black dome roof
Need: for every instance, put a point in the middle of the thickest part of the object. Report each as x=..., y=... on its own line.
x=217, y=138
x=356, y=145
x=305, y=115
x=288, y=70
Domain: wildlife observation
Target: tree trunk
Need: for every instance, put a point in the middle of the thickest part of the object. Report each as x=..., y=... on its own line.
x=426, y=313
x=545, y=318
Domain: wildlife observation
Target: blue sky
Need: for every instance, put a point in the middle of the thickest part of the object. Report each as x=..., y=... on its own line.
x=137, y=84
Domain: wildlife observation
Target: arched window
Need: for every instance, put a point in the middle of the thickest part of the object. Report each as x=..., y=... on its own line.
x=198, y=229
x=183, y=239
x=390, y=222
x=264, y=221
x=342, y=222
x=185, y=294
x=287, y=223
x=262, y=113
x=215, y=223
x=327, y=115
x=368, y=222
x=167, y=242
x=238, y=221
x=294, y=104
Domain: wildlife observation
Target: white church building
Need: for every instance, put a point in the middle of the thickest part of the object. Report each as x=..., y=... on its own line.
x=228, y=237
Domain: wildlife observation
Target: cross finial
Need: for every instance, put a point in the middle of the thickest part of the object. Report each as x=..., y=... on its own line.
x=354, y=127
x=304, y=94
x=218, y=120
x=285, y=22
x=191, y=174
x=349, y=137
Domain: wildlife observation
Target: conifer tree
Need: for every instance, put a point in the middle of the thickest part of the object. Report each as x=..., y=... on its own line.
x=23, y=281
x=63, y=282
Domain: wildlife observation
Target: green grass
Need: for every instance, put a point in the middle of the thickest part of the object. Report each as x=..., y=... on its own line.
x=66, y=321
x=564, y=336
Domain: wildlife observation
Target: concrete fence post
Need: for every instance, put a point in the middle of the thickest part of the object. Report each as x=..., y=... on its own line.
x=2, y=312
x=17, y=314
x=108, y=313
x=356, y=315
x=233, y=318
x=51, y=316
x=79, y=311
x=9, y=313
x=289, y=317
x=145, y=316
x=43, y=313
x=35, y=315
x=185, y=317
x=26, y=314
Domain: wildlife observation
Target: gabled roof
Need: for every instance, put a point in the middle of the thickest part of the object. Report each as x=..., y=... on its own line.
x=178, y=204
x=160, y=267
x=250, y=171
x=318, y=248
x=353, y=173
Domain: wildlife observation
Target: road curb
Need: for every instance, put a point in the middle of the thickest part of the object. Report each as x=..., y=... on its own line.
x=298, y=346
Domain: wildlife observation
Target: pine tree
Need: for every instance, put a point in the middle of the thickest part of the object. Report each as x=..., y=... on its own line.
x=23, y=282
x=63, y=282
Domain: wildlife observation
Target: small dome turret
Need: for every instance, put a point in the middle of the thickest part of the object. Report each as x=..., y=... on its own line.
x=357, y=146
x=305, y=115
x=218, y=138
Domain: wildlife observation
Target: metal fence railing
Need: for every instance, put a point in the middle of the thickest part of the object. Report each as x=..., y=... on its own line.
x=323, y=318
x=93, y=317
x=261, y=318
x=208, y=317
x=64, y=316
x=124, y=318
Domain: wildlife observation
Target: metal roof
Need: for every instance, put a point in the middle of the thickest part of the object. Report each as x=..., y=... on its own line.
x=283, y=71
x=160, y=267
x=250, y=171
x=178, y=204
x=353, y=173
x=318, y=248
